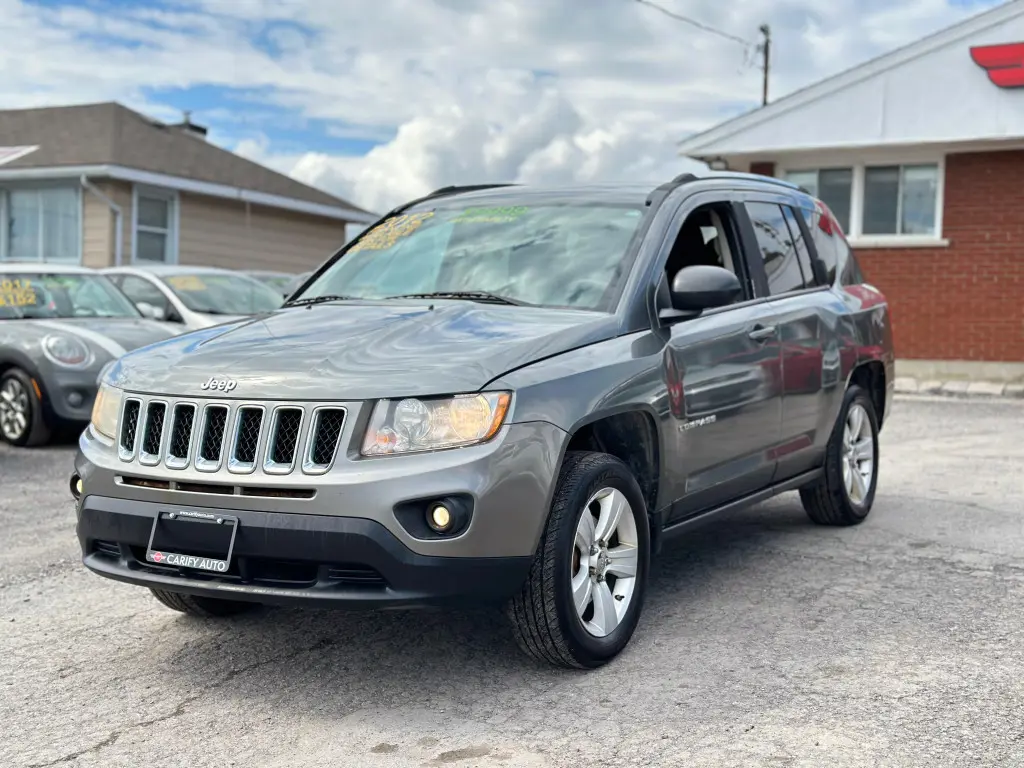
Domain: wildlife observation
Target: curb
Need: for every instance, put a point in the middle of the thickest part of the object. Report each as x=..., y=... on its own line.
x=959, y=388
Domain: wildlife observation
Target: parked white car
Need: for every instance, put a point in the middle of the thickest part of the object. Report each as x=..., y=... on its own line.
x=196, y=297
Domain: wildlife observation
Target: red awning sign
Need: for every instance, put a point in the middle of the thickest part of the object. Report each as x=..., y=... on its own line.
x=1004, y=63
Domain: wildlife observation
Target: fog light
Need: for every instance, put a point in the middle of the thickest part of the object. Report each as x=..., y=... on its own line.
x=439, y=518
x=76, y=486
x=75, y=399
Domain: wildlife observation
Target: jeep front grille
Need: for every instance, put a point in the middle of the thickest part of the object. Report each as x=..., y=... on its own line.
x=247, y=438
x=284, y=440
x=153, y=433
x=327, y=424
x=233, y=437
x=181, y=435
x=129, y=428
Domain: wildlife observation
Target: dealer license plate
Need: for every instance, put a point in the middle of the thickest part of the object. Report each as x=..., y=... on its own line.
x=197, y=540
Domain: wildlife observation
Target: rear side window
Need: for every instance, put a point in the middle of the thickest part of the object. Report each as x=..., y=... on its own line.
x=778, y=249
x=827, y=240
x=803, y=255
x=851, y=274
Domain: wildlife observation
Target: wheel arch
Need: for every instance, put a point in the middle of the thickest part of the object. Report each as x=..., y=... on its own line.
x=12, y=359
x=631, y=434
x=870, y=375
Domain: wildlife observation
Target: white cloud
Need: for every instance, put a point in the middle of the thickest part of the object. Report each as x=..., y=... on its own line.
x=460, y=90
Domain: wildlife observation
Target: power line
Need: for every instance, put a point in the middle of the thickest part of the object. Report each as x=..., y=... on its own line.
x=763, y=48
x=695, y=23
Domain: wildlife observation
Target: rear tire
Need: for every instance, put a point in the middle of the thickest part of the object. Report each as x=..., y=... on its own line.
x=22, y=421
x=571, y=570
x=203, y=607
x=846, y=492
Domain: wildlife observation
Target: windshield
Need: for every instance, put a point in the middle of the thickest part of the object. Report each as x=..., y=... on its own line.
x=224, y=294
x=549, y=255
x=42, y=295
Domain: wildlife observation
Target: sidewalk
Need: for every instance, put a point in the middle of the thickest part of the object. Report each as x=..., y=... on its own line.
x=958, y=388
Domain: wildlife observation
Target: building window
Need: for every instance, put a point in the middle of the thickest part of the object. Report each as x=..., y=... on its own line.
x=833, y=186
x=878, y=200
x=155, y=228
x=900, y=200
x=41, y=224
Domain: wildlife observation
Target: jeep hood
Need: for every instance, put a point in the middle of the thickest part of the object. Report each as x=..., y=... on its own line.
x=361, y=351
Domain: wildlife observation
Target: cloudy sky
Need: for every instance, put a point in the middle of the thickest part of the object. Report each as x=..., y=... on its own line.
x=381, y=100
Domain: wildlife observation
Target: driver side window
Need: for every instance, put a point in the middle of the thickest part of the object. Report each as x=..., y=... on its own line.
x=708, y=236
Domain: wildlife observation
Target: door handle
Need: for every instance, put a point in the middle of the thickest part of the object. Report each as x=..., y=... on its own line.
x=762, y=333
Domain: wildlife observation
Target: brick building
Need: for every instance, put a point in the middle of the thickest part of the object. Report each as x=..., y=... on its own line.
x=920, y=154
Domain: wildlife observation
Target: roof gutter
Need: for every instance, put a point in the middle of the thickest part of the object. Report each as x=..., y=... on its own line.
x=118, y=216
x=224, y=191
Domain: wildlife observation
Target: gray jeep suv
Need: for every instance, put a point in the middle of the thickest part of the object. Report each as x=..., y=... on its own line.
x=499, y=394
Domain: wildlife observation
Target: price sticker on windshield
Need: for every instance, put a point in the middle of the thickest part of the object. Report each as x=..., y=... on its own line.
x=500, y=215
x=17, y=293
x=390, y=232
x=187, y=283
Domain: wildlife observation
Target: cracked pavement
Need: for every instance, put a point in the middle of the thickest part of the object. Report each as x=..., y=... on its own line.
x=765, y=641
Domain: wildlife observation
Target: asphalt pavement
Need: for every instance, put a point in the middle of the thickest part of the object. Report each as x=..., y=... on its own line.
x=766, y=641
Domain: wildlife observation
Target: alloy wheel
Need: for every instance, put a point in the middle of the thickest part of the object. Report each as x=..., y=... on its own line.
x=858, y=454
x=605, y=558
x=14, y=409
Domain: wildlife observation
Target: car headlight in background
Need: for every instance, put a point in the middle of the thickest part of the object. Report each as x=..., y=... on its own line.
x=67, y=351
x=106, y=409
x=410, y=425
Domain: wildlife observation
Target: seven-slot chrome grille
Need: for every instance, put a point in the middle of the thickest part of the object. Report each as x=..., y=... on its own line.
x=239, y=437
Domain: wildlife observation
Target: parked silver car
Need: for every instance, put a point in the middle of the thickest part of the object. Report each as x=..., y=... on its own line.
x=59, y=327
x=295, y=283
x=279, y=281
x=194, y=297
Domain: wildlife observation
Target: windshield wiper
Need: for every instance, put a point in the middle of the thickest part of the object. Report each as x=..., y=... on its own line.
x=317, y=300
x=481, y=296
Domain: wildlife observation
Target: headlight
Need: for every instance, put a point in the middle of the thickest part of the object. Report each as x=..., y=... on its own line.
x=106, y=409
x=66, y=351
x=410, y=425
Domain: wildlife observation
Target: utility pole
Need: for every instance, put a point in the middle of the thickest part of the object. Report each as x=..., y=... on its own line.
x=765, y=49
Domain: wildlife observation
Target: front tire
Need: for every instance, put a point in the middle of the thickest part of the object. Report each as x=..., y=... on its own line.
x=21, y=411
x=583, y=597
x=203, y=607
x=846, y=492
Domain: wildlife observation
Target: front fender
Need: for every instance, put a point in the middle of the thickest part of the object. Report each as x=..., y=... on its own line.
x=585, y=385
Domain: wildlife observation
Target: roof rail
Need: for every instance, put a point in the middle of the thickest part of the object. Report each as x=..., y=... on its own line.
x=662, y=191
x=454, y=190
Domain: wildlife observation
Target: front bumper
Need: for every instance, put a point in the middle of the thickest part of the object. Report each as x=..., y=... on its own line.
x=509, y=481
x=69, y=395
x=350, y=540
x=289, y=559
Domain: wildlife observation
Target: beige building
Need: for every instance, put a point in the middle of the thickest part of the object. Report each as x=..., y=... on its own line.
x=101, y=185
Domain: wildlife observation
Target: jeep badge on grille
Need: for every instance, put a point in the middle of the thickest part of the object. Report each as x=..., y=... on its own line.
x=220, y=385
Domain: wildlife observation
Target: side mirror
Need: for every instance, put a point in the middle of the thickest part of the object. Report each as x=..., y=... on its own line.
x=148, y=310
x=701, y=287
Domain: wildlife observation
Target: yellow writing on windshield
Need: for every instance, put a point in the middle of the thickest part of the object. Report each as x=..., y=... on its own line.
x=501, y=215
x=390, y=232
x=186, y=283
x=17, y=293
